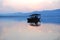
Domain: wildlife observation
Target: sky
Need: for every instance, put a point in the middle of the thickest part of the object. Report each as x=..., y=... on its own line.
x=28, y=5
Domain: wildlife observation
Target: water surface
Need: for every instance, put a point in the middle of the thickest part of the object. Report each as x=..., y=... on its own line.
x=17, y=28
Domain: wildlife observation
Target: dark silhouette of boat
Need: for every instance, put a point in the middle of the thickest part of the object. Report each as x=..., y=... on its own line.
x=34, y=19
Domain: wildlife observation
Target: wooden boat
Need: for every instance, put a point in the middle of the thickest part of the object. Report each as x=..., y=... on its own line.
x=34, y=19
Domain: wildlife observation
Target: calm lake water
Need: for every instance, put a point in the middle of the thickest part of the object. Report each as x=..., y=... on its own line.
x=24, y=18
x=17, y=28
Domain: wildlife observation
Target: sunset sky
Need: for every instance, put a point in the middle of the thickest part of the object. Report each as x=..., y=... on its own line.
x=28, y=5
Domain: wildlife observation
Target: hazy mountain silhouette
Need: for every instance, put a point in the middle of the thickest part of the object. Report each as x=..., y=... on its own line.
x=47, y=16
x=43, y=13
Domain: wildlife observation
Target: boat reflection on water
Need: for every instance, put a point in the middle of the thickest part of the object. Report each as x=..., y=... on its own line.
x=34, y=19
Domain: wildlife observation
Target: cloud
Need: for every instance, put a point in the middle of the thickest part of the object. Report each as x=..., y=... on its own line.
x=1, y=3
x=27, y=6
